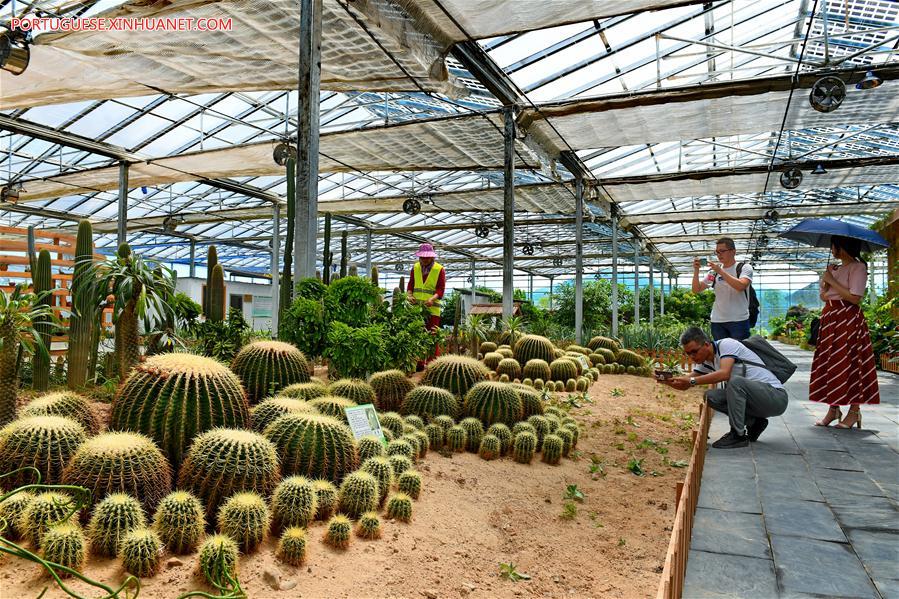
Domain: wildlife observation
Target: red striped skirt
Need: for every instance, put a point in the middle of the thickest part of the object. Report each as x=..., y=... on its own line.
x=843, y=370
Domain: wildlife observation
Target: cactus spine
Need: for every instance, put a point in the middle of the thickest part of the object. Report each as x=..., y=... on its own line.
x=43, y=284
x=344, y=254
x=83, y=317
x=409, y=482
x=113, y=518
x=64, y=545
x=264, y=367
x=490, y=447
x=338, y=532
x=369, y=526
x=294, y=503
x=215, y=291
x=292, y=546
x=218, y=559
x=552, y=449
x=43, y=442
x=180, y=521
x=244, y=517
x=325, y=499
x=399, y=507
x=457, y=439
x=358, y=493
x=313, y=446
x=524, y=446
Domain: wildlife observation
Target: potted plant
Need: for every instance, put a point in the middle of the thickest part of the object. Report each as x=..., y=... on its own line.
x=668, y=368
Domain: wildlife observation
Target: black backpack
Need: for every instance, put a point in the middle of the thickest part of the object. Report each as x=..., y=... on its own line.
x=753, y=298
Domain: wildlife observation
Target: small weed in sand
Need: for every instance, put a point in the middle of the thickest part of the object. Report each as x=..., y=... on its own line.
x=630, y=420
x=635, y=465
x=597, y=466
x=677, y=463
x=622, y=542
x=569, y=511
x=617, y=392
x=509, y=572
x=574, y=494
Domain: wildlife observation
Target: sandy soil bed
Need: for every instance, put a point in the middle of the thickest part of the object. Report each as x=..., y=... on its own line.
x=474, y=515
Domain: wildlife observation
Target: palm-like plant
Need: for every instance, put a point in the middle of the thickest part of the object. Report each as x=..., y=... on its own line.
x=137, y=289
x=514, y=327
x=474, y=331
x=19, y=312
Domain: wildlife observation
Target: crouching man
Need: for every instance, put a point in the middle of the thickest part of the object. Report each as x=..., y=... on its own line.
x=751, y=395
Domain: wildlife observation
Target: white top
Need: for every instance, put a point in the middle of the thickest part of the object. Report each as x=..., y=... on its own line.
x=730, y=305
x=731, y=348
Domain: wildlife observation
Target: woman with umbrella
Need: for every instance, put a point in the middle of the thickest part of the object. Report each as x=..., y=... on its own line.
x=843, y=369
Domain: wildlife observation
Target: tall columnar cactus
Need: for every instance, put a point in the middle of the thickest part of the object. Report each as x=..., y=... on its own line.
x=141, y=552
x=399, y=507
x=212, y=259
x=374, y=275
x=355, y=390
x=64, y=544
x=531, y=400
x=380, y=468
x=244, y=517
x=370, y=447
x=524, y=446
x=457, y=439
x=359, y=493
x=474, y=430
x=392, y=421
x=180, y=520
x=113, y=518
x=502, y=432
x=42, y=513
x=83, y=317
x=552, y=449
x=325, y=499
x=510, y=367
x=274, y=407
x=628, y=358
x=344, y=254
x=333, y=406
x=264, y=367
x=292, y=546
x=218, y=559
x=174, y=397
x=121, y=462
x=294, y=503
x=600, y=342
x=391, y=388
x=456, y=374
x=531, y=347
x=563, y=369
x=43, y=284
x=490, y=447
x=409, y=482
x=43, y=442
x=224, y=461
x=428, y=402
x=305, y=391
x=11, y=510
x=338, y=532
x=215, y=294
x=66, y=404
x=313, y=446
x=492, y=402
x=537, y=369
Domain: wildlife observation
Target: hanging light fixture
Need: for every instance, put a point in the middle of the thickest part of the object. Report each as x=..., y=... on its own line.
x=14, y=52
x=819, y=169
x=870, y=81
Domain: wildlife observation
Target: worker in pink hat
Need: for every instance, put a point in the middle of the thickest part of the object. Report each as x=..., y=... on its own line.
x=427, y=282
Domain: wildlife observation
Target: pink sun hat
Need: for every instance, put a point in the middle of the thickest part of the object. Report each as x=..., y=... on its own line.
x=426, y=250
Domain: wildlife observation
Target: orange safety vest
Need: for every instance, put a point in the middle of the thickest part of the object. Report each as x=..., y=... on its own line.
x=422, y=290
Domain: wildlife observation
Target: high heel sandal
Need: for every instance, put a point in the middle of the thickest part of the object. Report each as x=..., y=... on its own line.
x=853, y=418
x=833, y=413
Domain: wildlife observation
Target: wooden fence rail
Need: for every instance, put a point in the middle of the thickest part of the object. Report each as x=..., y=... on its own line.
x=672, y=584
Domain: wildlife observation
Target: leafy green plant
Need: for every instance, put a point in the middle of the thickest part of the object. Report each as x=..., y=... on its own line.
x=635, y=465
x=222, y=340
x=617, y=392
x=597, y=465
x=474, y=331
x=569, y=511
x=303, y=325
x=574, y=494
x=509, y=572
x=310, y=288
x=355, y=352
x=407, y=341
x=622, y=542
x=350, y=300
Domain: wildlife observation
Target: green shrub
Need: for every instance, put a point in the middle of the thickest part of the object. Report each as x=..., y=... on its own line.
x=355, y=352
x=303, y=325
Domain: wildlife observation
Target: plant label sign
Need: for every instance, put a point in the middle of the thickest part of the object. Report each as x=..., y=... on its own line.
x=584, y=362
x=364, y=421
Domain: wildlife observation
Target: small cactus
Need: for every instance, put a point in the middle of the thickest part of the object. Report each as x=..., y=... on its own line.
x=430, y=402
x=358, y=493
x=510, y=367
x=399, y=507
x=120, y=462
x=294, y=503
x=626, y=358
x=113, y=518
x=490, y=447
x=392, y=422
x=504, y=378
x=570, y=385
x=273, y=408
x=403, y=448
x=244, y=517
x=414, y=420
x=492, y=359
x=389, y=435
x=333, y=406
x=456, y=374
x=505, y=352
x=337, y=534
x=554, y=423
x=11, y=510
x=501, y=432
x=567, y=439
x=313, y=446
x=487, y=347
x=409, y=482
x=457, y=439
x=524, y=446
x=66, y=404
x=575, y=431
x=474, y=430
x=292, y=546
x=369, y=526
x=64, y=544
x=414, y=442
x=370, y=447
x=304, y=391
x=539, y=384
x=265, y=367
x=521, y=427
x=43, y=512
x=43, y=442
x=218, y=559
x=141, y=552
x=552, y=449
x=180, y=522
x=444, y=422
x=224, y=461
x=424, y=443
x=554, y=411
x=380, y=468
x=541, y=427
x=325, y=499
x=596, y=359
x=391, y=388
x=356, y=390
x=400, y=464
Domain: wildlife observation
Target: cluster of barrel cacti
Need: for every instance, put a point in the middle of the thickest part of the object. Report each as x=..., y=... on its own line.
x=265, y=367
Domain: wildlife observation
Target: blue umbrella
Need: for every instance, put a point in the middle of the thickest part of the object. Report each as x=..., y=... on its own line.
x=818, y=231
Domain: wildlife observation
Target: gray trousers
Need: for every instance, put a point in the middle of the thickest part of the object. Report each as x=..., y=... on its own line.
x=744, y=400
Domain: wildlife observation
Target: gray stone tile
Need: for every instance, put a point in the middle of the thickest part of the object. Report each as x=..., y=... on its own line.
x=889, y=589
x=840, y=486
x=832, y=460
x=733, y=533
x=867, y=512
x=785, y=485
x=774, y=445
x=730, y=494
x=802, y=519
x=819, y=568
x=878, y=550
x=713, y=576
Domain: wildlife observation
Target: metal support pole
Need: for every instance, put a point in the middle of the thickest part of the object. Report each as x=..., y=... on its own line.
x=579, y=262
x=276, y=267
x=662, y=285
x=508, y=210
x=473, y=285
x=652, y=291
x=636, y=281
x=614, y=276
x=552, y=280
x=306, y=221
x=193, y=258
x=531, y=288
x=368, y=236
x=122, y=224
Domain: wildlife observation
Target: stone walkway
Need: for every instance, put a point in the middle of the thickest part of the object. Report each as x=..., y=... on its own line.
x=804, y=512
